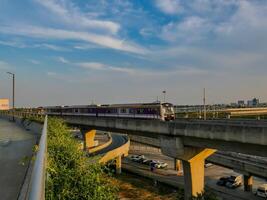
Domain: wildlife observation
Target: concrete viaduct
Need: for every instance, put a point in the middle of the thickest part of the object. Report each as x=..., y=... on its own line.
x=190, y=141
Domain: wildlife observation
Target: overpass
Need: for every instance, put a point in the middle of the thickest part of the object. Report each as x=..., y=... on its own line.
x=190, y=141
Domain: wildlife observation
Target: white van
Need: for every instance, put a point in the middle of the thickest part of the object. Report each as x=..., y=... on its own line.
x=262, y=191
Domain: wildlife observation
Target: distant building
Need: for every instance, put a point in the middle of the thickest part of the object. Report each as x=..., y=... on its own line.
x=241, y=103
x=253, y=103
x=4, y=104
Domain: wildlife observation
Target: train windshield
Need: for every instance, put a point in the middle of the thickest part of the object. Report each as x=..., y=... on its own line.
x=168, y=108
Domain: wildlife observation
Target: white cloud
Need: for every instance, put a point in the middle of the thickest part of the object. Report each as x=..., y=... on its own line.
x=50, y=47
x=92, y=65
x=169, y=6
x=61, y=34
x=72, y=15
x=63, y=60
x=4, y=65
x=190, y=29
x=12, y=44
x=35, y=62
x=51, y=73
x=101, y=66
x=137, y=72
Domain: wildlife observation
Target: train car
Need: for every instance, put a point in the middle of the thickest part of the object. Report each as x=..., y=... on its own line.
x=161, y=111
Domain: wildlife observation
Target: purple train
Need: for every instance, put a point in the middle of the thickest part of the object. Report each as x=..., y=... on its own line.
x=160, y=111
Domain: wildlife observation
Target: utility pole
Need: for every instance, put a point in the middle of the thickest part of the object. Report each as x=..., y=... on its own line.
x=13, y=95
x=204, y=104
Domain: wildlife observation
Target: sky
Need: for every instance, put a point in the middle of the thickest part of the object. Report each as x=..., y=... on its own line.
x=67, y=52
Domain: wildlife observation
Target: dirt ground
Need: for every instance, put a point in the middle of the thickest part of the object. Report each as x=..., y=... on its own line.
x=134, y=187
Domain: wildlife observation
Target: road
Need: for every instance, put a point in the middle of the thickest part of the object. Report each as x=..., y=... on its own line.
x=15, y=144
x=212, y=174
x=169, y=176
x=117, y=141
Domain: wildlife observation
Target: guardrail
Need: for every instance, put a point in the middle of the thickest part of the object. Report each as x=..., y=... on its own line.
x=37, y=182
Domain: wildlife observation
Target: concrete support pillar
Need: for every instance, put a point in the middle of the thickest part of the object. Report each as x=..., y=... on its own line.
x=177, y=164
x=248, y=181
x=194, y=173
x=118, y=165
x=89, y=137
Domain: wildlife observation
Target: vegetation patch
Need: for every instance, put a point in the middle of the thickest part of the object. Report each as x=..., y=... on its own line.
x=70, y=174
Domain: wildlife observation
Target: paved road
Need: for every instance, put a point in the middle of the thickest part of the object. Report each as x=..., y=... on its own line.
x=212, y=174
x=117, y=141
x=15, y=144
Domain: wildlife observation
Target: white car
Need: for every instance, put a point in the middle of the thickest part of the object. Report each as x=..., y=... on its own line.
x=161, y=165
x=262, y=191
x=136, y=158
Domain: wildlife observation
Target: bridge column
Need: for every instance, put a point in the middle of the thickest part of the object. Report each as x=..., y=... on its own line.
x=194, y=173
x=193, y=160
x=248, y=181
x=89, y=137
x=118, y=165
x=177, y=165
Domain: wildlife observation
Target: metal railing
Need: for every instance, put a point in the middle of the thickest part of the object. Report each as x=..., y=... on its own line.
x=37, y=182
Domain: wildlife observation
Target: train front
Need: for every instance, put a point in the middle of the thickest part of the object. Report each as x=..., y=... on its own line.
x=168, y=111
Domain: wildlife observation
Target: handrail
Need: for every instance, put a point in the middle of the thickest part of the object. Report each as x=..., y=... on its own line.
x=37, y=182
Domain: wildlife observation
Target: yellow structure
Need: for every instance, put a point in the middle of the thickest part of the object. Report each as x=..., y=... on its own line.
x=89, y=139
x=116, y=154
x=248, y=181
x=4, y=104
x=194, y=172
x=102, y=146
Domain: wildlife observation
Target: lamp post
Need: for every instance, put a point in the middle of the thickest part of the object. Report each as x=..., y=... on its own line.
x=204, y=104
x=164, y=95
x=13, y=95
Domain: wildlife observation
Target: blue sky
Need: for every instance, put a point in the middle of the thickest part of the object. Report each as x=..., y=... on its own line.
x=116, y=51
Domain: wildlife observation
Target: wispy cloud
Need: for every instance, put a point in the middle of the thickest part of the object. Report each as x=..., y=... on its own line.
x=12, y=44
x=101, y=66
x=169, y=6
x=62, y=34
x=35, y=62
x=62, y=60
x=72, y=15
x=4, y=65
x=21, y=45
x=50, y=47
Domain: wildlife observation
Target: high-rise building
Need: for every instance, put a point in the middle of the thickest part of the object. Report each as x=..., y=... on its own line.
x=241, y=103
x=254, y=102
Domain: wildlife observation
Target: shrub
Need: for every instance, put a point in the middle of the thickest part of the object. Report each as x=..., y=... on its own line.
x=70, y=174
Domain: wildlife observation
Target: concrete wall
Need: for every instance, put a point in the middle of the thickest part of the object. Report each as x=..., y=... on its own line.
x=135, y=146
x=249, y=138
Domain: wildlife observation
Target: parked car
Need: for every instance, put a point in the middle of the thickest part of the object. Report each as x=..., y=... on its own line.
x=146, y=161
x=207, y=164
x=262, y=191
x=161, y=165
x=137, y=158
x=234, y=182
x=222, y=181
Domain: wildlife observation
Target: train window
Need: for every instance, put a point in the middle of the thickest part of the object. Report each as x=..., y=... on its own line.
x=131, y=110
x=123, y=110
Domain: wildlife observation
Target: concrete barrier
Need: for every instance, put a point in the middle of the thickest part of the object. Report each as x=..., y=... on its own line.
x=102, y=146
x=122, y=150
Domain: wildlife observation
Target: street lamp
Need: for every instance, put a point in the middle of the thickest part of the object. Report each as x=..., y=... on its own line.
x=164, y=95
x=13, y=94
